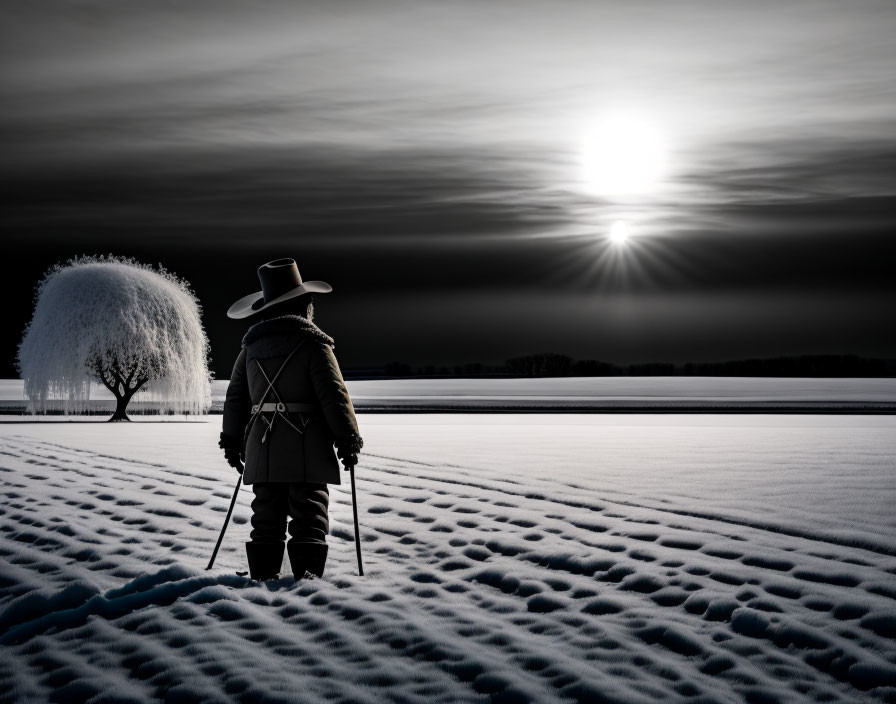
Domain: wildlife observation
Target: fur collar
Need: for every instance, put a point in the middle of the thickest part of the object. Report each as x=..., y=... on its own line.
x=286, y=325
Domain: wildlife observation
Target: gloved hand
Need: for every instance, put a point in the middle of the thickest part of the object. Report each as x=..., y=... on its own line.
x=347, y=450
x=232, y=455
x=348, y=456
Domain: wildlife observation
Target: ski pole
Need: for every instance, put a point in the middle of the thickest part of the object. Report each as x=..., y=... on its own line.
x=226, y=521
x=357, y=531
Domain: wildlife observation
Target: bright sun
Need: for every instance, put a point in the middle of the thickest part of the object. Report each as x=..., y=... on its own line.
x=623, y=155
x=619, y=232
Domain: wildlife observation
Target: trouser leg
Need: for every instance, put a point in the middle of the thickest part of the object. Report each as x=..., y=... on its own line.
x=308, y=505
x=308, y=529
x=269, y=509
x=264, y=550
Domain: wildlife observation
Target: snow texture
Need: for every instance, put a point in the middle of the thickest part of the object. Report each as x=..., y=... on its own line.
x=624, y=393
x=105, y=311
x=578, y=393
x=509, y=558
x=716, y=389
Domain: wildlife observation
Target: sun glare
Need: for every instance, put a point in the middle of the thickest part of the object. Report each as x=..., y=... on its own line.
x=619, y=232
x=623, y=154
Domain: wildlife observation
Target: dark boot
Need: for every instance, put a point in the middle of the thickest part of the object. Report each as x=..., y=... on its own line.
x=264, y=559
x=307, y=557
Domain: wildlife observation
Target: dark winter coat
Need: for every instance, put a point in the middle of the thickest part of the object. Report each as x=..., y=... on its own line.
x=312, y=375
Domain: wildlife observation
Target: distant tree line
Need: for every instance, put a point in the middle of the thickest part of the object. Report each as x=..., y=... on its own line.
x=549, y=364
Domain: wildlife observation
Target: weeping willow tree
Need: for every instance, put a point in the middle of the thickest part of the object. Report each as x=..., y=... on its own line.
x=126, y=325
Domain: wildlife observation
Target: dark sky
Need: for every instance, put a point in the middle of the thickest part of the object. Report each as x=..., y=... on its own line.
x=429, y=160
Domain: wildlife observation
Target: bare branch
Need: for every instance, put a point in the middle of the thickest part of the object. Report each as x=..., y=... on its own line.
x=106, y=382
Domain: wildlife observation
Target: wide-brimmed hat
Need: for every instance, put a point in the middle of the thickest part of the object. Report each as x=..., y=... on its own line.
x=280, y=281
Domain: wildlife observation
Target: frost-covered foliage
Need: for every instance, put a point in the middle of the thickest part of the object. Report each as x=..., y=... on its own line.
x=122, y=323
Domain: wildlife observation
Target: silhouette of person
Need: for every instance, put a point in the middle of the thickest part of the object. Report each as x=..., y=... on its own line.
x=286, y=408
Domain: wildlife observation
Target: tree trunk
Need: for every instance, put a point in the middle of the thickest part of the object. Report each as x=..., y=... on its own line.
x=121, y=387
x=121, y=405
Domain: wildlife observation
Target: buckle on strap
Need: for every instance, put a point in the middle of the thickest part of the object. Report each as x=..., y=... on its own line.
x=282, y=408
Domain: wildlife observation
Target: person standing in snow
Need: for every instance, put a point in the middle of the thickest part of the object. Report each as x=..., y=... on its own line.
x=286, y=408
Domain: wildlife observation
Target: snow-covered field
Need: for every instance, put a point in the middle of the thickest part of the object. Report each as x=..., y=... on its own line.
x=509, y=558
x=578, y=393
